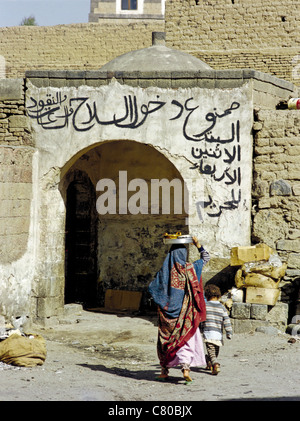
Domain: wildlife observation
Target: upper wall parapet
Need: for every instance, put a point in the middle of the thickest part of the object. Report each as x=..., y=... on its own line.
x=213, y=75
x=268, y=90
x=164, y=79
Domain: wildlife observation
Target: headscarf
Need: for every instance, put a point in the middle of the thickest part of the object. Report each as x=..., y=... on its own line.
x=167, y=288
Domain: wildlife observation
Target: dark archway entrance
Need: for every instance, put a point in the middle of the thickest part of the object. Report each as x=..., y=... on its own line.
x=81, y=242
x=116, y=251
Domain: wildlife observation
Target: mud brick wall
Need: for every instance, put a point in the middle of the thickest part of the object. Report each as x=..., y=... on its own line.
x=226, y=34
x=237, y=33
x=276, y=190
x=71, y=47
x=15, y=172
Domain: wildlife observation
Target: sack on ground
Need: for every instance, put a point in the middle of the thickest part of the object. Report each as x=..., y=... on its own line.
x=24, y=351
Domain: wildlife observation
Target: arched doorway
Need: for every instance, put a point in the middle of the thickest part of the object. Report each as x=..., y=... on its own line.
x=125, y=249
x=80, y=241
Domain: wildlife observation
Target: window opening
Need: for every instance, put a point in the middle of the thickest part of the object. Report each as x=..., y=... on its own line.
x=129, y=5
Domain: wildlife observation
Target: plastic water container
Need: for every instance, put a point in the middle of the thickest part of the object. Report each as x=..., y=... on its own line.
x=294, y=104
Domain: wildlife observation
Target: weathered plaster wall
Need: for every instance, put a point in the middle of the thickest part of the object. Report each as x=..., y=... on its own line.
x=193, y=127
x=17, y=164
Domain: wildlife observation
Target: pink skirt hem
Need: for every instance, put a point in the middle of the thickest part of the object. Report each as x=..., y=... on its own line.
x=191, y=353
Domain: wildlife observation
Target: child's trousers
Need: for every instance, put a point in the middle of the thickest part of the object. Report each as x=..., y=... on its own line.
x=213, y=352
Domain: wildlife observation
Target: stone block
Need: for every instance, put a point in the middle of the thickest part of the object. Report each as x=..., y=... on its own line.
x=280, y=188
x=247, y=325
x=73, y=309
x=57, y=74
x=278, y=315
x=11, y=89
x=49, y=287
x=268, y=330
x=240, y=311
x=49, y=307
x=58, y=83
x=163, y=83
x=95, y=74
x=229, y=83
x=293, y=234
x=37, y=73
x=258, y=311
x=296, y=189
x=40, y=82
x=293, y=272
x=229, y=74
x=75, y=74
x=206, y=83
x=18, y=121
x=260, y=188
x=74, y=82
x=289, y=245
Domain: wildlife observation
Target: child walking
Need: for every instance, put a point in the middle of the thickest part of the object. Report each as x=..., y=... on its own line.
x=216, y=319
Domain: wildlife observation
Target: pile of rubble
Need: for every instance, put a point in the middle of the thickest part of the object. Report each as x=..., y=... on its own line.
x=254, y=301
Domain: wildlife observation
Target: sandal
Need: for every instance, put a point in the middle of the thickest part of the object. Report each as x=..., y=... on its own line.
x=186, y=376
x=216, y=369
x=164, y=375
x=162, y=378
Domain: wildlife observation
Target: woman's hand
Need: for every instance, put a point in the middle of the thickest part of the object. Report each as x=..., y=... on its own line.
x=196, y=242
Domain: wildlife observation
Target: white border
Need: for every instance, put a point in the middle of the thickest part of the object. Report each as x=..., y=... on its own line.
x=139, y=11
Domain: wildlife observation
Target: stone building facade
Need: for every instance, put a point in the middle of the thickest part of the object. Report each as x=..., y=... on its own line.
x=68, y=138
x=66, y=128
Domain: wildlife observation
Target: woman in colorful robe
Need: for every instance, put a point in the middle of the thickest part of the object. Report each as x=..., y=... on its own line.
x=178, y=292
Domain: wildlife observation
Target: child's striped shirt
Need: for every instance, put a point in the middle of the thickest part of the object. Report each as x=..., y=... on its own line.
x=217, y=319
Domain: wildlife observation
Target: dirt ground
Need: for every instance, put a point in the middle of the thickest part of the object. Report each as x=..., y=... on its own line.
x=95, y=356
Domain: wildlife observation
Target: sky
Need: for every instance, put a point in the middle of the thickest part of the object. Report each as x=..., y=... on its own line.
x=46, y=12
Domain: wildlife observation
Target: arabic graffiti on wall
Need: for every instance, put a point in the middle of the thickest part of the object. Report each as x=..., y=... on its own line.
x=213, y=136
x=59, y=112
x=219, y=158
